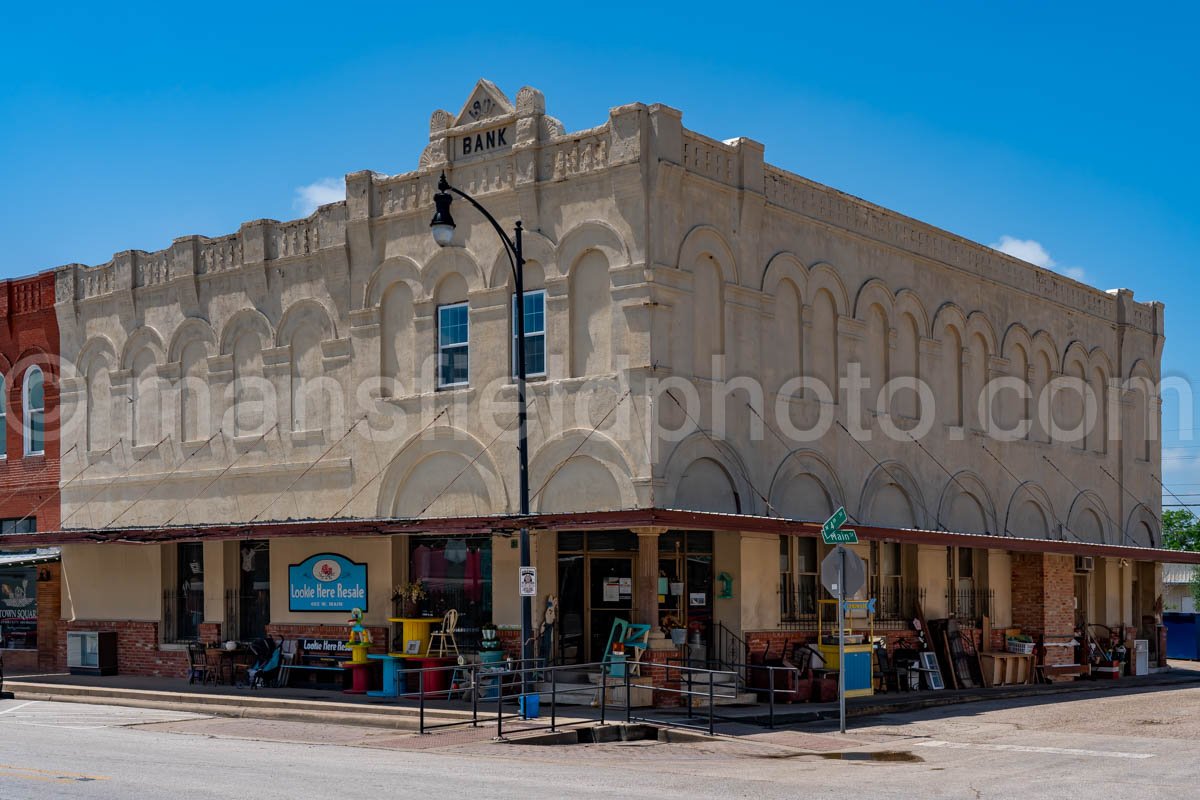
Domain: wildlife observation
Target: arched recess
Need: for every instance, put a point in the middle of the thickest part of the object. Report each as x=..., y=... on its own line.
x=536, y=248
x=1142, y=528
x=980, y=344
x=308, y=312
x=786, y=280
x=1030, y=513
x=244, y=338
x=805, y=487
x=589, y=291
x=143, y=337
x=1088, y=519
x=1011, y=406
x=391, y=272
x=590, y=235
x=950, y=329
x=442, y=472
x=1142, y=429
x=449, y=261
x=706, y=241
x=192, y=329
x=1070, y=402
x=718, y=484
x=1044, y=358
x=311, y=395
x=966, y=506
x=246, y=321
x=1097, y=435
x=892, y=498
x=594, y=474
x=874, y=307
x=96, y=361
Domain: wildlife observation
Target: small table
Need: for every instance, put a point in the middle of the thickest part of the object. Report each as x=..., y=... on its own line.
x=230, y=660
x=415, y=629
x=391, y=676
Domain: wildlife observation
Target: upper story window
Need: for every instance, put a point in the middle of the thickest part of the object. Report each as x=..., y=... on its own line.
x=535, y=333
x=453, y=346
x=3, y=420
x=33, y=404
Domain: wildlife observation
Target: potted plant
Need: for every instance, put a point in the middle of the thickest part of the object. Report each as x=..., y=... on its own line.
x=408, y=596
x=671, y=627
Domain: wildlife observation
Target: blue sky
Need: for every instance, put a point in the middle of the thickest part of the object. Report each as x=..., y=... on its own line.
x=1070, y=128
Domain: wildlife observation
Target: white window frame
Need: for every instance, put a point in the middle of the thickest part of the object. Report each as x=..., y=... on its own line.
x=528, y=334
x=442, y=347
x=3, y=418
x=27, y=411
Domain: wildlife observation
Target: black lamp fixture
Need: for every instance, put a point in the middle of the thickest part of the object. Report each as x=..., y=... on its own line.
x=442, y=224
x=442, y=228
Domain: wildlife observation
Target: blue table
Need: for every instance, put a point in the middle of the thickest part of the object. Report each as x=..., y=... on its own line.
x=391, y=676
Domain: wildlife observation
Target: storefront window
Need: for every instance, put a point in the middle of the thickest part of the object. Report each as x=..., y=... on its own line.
x=685, y=570
x=456, y=573
x=18, y=608
x=183, y=602
x=798, y=578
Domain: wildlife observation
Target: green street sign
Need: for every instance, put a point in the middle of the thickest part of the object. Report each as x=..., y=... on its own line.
x=843, y=536
x=833, y=523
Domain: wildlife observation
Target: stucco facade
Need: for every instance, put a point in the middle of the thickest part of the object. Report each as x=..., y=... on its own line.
x=289, y=370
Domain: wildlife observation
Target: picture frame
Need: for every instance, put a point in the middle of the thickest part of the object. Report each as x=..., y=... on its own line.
x=931, y=670
x=412, y=647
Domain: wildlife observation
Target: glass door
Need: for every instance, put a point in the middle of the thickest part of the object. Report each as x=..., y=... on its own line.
x=610, y=596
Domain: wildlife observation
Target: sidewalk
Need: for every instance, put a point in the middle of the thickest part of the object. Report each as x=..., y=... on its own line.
x=331, y=707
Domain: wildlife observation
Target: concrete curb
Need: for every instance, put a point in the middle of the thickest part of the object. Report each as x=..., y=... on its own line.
x=392, y=717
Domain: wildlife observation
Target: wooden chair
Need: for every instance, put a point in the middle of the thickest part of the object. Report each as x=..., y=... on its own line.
x=445, y=636
x=198, y=668
x=287, y=659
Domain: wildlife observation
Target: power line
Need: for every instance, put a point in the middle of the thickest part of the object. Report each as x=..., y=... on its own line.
x=1116, y=525
x=220, y=475
x=1021, y=483
x=713, y=442
x=378, y=461
x=579, y=446
x=936, y=519
x=68, y=483
x=107, y=484
x=161, y=480
x=306, y=470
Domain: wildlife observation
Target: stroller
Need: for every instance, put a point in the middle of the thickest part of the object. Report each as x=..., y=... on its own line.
x=268, y=656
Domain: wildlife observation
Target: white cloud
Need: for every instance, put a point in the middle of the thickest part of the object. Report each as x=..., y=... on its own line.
x=1032, y=251
x=318, y=193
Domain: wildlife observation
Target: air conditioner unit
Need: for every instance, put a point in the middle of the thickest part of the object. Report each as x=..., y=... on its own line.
x=1085, y=564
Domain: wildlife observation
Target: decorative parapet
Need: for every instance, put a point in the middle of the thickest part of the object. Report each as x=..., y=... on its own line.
x=189, y=256
x=710, y=158
x=575, y=154
x=823, y=204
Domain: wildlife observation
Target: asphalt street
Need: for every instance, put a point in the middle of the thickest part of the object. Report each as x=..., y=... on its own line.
x=1131, y=745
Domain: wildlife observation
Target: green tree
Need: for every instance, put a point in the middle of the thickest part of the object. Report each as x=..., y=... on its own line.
x=1180, y=529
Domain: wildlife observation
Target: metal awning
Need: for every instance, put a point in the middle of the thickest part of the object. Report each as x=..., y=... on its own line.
x=575, y=521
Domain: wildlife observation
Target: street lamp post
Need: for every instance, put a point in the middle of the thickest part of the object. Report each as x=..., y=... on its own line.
x=442, y=227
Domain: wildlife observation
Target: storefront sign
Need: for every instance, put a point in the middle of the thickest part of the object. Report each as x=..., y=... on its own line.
x=330, y=646
x=18, y=607
x=327, y=582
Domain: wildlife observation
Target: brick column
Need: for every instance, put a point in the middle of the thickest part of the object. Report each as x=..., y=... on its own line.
x=1043, y=601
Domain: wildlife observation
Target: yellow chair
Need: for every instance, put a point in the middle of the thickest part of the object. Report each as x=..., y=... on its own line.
x=445, y=636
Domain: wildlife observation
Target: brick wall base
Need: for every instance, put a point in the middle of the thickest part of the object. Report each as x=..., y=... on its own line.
x=138, y=648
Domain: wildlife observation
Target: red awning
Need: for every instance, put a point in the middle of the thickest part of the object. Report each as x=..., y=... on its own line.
x=578, y=521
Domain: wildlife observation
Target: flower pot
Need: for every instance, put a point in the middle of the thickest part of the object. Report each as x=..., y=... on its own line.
x=678, y=636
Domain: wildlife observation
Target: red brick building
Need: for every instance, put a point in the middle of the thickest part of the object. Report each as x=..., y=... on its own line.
x=29, y=466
